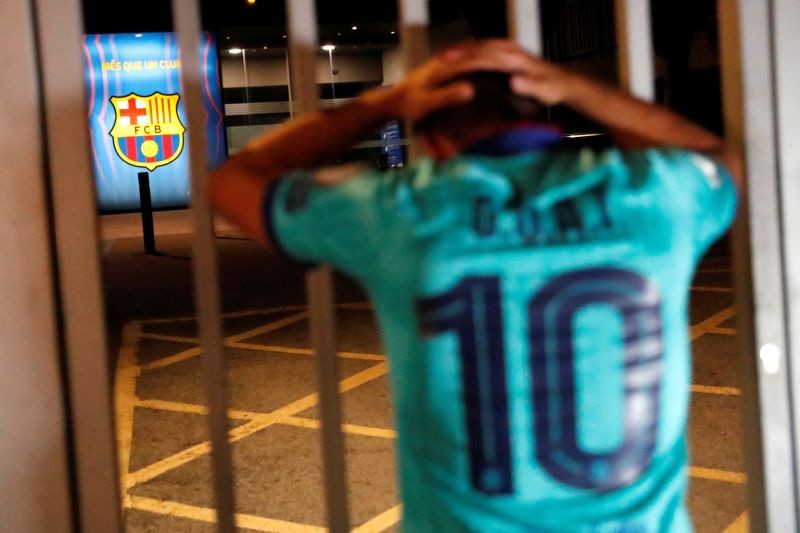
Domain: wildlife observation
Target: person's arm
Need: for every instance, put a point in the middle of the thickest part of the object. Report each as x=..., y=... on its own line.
x=237, y=187
x=633, y=123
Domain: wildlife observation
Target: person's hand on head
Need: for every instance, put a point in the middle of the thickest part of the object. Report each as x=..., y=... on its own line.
x=542, y=80
x=430, y=86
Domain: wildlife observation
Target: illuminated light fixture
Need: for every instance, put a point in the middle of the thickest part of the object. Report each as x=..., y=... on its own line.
x=251, y=2
x=329, y=47
x=228, y=37
x=265, y=47
x=138, y=34
x=284, y=37
x=235, y=51
x=354, y=28
x=339, y=34
x=392, y=33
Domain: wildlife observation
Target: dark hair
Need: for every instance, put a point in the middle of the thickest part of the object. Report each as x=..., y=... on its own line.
x=494, y=103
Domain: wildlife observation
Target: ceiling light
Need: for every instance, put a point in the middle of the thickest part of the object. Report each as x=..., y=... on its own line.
x=228, y=37
x=354, y=28
x=392, y=33
x=251, y=2
x=339, y=34
x=328, y=47
x=138, y=34
x=265, y=48
x=235, y=51
x=284, y=37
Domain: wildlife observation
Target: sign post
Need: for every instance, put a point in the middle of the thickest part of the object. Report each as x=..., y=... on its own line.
x=147, y=214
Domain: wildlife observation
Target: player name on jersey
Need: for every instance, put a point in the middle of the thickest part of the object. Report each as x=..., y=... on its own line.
x=572, y=220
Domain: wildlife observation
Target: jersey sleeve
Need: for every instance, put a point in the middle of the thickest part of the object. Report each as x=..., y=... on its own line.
x=329, y=216
x=700, y=188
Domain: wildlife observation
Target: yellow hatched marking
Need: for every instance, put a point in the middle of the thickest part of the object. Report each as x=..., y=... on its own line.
x=710, y=323
x=234, y=314
x=718, y=475
x=722, y=391
x=711, y=289
x=740, y=525
x=381, y=522
x=169, y=338
x=197, y=350
x=722, y=331
x=172, y=359
x=177, y=407
x=353, y=429
x=253, y=312
x=303, y=351
x=297, y=421
x=257, y=424
x=206, y=514
x=125, y=397
x=272, y=326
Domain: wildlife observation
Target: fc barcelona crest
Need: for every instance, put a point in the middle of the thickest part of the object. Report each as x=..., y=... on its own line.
x=147, y=131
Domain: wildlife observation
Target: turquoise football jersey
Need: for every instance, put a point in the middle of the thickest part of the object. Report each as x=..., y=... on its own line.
x=534, y=310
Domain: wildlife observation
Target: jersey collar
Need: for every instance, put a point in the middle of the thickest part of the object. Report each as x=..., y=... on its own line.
x=525, y=137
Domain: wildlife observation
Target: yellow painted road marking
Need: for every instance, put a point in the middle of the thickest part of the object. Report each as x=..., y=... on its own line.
x=353, y=429
x=718, y=475
x=125, y=396
x=206, y=514
x=381, y=522
x=169, y=338
x=740, y=525
x=722, y=331
x=172, y=359
x=698, y=330
x=234, y=314
x=254, y=312
x=197, y=350
x=266, y=328
x=722, y=391
x=174, y=461
x=303, y=351
x=177, y=407
x=711, y=289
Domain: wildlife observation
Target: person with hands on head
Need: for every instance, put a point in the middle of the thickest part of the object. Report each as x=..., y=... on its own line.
x=532, y=298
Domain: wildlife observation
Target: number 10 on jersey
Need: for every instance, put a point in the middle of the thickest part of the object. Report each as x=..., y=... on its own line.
x=473, y=311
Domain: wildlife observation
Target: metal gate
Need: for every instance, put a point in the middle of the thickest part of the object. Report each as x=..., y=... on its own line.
x=58, y=465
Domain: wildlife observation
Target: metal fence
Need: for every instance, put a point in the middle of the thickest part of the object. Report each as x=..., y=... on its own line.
x=59, y=459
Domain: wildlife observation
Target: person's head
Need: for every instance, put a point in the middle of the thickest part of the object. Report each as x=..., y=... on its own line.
x=493, y=108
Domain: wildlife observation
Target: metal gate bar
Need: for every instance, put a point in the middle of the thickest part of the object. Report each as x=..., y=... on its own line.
x=635, y=47
x=525, y=24
x=186, y=16
x=78, y=263
x=301, y=18
x=34, y=472
x=786, y=47
x=756, y=108
x=413, y=19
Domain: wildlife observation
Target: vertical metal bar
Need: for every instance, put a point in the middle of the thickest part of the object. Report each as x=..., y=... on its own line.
x=34, y=477
x=414, y=46
x=303, y=46
x=749, y=109
x=635, y=47
x=186, y=15
x=525, y=24
x=289, y=85
x=77, y=247
x=786, y=48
